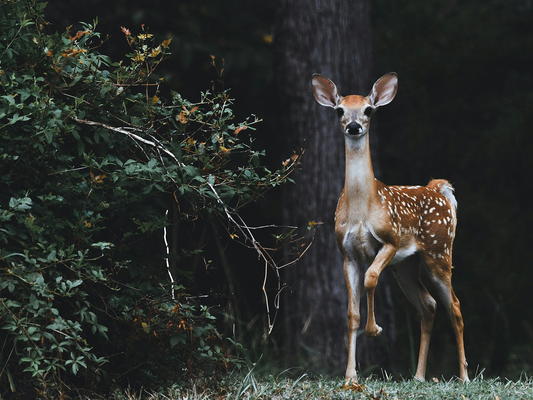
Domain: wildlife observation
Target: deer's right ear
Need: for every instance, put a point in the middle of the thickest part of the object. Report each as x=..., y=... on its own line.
x=325, y=91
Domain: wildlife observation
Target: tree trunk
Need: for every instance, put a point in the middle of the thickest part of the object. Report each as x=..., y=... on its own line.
x=331, y=37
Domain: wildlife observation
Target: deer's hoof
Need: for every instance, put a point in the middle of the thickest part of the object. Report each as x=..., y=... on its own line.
x=373, y=331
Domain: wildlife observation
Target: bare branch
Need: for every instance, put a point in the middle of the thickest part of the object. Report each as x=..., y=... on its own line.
x=131, y=135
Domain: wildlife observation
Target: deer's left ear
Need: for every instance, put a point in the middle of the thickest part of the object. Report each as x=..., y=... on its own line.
x=325, y=91
x=384, y=90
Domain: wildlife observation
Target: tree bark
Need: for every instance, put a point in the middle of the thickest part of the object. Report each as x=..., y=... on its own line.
x=331, y=37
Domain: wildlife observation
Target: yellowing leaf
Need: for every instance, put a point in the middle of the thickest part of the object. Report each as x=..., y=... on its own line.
x=97, y=178
x=155, y=52
x=146, y=327
x=183, y=117
x=138, y=57
x=240, y=128
x=155, y=99
x=166, y=43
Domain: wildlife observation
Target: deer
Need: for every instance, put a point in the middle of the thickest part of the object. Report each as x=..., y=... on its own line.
x=410, y=228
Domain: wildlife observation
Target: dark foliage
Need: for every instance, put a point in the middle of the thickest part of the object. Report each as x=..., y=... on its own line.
x=96, y=171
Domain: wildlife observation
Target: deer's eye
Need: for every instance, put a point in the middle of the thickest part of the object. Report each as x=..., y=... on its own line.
x=339, y=111
x=368, y=111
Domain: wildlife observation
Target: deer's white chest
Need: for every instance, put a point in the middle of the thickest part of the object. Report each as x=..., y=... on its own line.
x=360, y=242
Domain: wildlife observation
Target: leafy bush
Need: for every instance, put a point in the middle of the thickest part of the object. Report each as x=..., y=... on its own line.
x=95, y=168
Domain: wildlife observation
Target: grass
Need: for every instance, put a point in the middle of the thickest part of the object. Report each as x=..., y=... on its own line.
x=252, y=387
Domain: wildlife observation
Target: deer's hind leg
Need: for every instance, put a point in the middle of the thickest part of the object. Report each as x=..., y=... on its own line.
x=440, y=273
x=407, y=274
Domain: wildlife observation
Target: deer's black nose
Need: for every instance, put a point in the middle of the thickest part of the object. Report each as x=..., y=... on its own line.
x=354, y=129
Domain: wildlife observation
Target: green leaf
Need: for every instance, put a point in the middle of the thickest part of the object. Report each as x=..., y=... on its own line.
x=102, y=245
x=80, y=147
x=147, y=189
x=20, y=204
x=34, y=302
x=177, y=339
x=49, y=136
x=176, y=150
x=52, y=256
x=31, y=330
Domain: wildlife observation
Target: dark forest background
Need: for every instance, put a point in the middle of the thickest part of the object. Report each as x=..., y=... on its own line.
x=463, y=113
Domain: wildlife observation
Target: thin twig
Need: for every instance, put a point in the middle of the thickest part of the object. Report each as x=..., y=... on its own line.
x=271, y=226
x=67, y=170
x=263, y=254
x=167, y=262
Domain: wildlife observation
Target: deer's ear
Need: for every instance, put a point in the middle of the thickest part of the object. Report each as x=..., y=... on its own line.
x=325, y=91
x=384, y=90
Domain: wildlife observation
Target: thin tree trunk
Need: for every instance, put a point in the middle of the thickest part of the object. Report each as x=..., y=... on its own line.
x=331, y=37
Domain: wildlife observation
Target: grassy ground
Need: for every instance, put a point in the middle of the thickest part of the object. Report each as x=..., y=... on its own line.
x=251, y=387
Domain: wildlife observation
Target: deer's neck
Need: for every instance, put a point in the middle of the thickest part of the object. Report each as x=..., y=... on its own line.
x=360, y=186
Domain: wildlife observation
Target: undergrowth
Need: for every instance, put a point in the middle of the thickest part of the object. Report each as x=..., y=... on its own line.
x=306, y=387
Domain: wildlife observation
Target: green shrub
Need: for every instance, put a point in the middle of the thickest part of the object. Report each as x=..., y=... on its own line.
x=91, y=161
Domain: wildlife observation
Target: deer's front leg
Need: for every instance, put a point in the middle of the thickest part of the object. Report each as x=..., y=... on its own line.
x=351, y=274
x=384, y=256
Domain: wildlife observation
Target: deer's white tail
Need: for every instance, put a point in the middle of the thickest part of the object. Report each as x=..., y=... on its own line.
x=445, y=188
